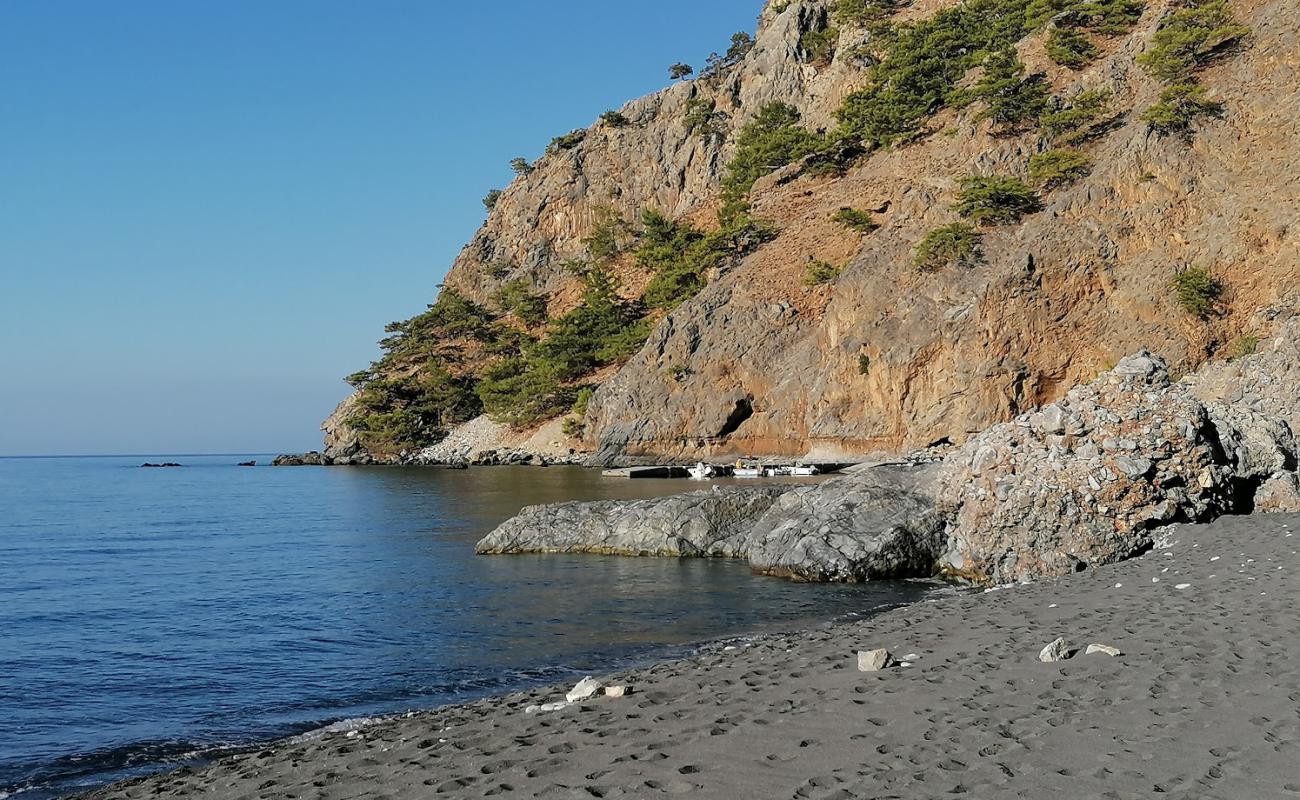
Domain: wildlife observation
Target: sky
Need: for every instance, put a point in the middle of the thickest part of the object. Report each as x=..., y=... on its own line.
x=209, y=210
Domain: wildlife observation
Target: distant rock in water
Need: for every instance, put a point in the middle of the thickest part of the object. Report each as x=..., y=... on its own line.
x=159, y=466
x=247, y=464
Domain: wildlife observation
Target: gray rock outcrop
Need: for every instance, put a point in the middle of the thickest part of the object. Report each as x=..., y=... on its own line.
x=710, y=523
x=1084, y=481
x=877, y=524
x=881, y=524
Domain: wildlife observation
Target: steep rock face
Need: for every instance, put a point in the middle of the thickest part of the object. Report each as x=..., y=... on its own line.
x=653, y=162
x=888, y=358
x=1084, y=481
x=1073, y=288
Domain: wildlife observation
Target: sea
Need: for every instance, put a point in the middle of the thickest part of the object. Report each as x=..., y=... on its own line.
x=151, y=618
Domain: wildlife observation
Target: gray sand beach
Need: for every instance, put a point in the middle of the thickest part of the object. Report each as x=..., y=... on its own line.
x=1204, y=702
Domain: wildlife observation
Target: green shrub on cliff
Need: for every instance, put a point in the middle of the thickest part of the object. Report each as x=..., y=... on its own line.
x=1179, y=106
x=415, y=410
x=491, y=198
x=1012, y=99
x=922, y=64
x=1078, y=117
x=855, y=220
x=819, y=45
x=1189, y=37
x=862, y=13
x=515, y=298
x=1058, y=167
x=995, y=199
x=609, y=235
x=520, y=392
x=602, y=330
x=1196, y=291
x=768, y=142
x=703, y=119
x=820, y=272
x=1070, y=48
x=679, y=256
x=614, y=119
x=950, y=245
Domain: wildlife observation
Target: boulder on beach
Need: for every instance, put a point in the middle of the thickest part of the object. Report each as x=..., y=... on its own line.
x=1084, y=481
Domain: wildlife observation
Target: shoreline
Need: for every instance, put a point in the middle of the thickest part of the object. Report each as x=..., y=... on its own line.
x=1205, y=680
x=191, y=756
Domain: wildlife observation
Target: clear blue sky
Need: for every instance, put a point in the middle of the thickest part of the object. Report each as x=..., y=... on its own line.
x=209, y=210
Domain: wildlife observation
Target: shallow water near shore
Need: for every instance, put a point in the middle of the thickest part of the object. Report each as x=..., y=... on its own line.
x=151, y=616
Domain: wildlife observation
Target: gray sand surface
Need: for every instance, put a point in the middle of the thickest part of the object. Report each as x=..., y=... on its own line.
x=1203, y=703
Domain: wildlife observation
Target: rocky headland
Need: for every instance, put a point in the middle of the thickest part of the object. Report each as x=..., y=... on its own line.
x=837, y=240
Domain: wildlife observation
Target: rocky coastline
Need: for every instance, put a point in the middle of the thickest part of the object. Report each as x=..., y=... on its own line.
x=1083, y=482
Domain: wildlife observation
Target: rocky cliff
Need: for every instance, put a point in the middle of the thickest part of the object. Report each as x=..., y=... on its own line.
x=880, y=354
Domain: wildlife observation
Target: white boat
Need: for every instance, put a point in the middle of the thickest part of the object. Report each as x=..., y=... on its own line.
x=702, y=471
x=803, y=471
x=746, y=469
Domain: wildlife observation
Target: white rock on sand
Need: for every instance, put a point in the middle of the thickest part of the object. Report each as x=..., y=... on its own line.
x=874, y=660
x=1102, y=648
x=1058, y=650
x=585, y=688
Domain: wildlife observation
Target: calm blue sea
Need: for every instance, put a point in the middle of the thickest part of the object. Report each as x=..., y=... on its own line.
x=149, y=617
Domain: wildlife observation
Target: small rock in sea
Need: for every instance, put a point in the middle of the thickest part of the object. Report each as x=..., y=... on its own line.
x=617, y=691
x=584, y=689
x=1102, y=648
x=874, y=660
x=1058, y=650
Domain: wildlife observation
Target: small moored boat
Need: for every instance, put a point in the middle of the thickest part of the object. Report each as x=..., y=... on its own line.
x=702, y=471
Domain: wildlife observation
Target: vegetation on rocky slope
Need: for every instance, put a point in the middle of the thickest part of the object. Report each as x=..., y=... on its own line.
x=511, y=359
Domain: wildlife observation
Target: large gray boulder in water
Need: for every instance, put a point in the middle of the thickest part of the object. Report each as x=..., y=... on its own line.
x=710, y=523
x=880, y=524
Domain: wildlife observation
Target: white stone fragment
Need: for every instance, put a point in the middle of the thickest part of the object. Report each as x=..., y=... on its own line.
x=874, y=660
x=1058, y=650
x=617, y=691
x=1102, y=648
x=584, y=689
x=1183, y=586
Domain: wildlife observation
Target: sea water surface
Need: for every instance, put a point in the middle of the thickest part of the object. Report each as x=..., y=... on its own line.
x=149, y=617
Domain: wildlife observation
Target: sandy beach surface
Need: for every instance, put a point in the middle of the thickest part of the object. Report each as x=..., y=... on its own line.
x=1204, y=702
